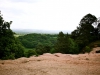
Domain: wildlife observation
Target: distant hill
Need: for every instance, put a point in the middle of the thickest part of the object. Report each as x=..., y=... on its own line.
x=26, y=31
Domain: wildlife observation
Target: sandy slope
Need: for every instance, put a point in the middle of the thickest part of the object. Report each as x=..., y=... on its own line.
x=53, y=64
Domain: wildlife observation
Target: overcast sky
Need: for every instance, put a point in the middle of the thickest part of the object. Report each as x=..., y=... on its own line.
x=47, y=14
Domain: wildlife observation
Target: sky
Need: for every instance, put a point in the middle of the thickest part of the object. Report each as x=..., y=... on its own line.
x=53, y=15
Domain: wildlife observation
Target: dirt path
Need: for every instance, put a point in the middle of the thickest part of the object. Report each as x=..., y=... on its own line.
x=53, y=64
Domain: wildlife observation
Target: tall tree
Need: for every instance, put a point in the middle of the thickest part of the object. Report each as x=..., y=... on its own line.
x=84, y=33
x=60, y=46
x=65, y=44
x=10, y=47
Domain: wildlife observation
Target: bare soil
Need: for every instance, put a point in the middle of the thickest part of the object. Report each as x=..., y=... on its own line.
x=53, y=64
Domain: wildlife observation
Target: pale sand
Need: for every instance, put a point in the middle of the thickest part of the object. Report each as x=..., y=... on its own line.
x=53, y=64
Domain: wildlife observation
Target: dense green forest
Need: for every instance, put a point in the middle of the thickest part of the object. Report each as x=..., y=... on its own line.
x=33, y=40
x=81, y=40
x=38, y=43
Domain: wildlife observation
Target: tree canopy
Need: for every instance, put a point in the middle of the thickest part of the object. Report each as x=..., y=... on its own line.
x=85, y=32
x=10, y=47
x=65, y=44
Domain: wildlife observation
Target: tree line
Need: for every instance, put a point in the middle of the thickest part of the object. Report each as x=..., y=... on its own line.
x=33, y=40
x=37, y=44
x=12, y=47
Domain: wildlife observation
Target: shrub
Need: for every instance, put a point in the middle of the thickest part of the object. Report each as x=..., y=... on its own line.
x=87, y=49
x=11, y=56
x=30, y=53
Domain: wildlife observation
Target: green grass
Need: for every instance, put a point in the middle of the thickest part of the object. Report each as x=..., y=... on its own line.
x=17, y=35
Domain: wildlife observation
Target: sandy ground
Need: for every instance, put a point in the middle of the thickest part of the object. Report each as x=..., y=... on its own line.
x=53, y=64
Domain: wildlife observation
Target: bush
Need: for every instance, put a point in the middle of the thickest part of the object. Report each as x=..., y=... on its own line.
x=52, y=51
x=87, y=49
x=30, y=53
x=11, y=56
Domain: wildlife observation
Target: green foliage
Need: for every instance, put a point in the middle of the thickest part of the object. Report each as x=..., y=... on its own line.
x=65, y=44
x=72, y=47
x=30, y=53
x=33, y=40
x=85, y=33
x=40, y=49
x=41, y=43
x=52, y=51
x=87, y=49
x=10, y=47
x=11, y=56
x=60, y=45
